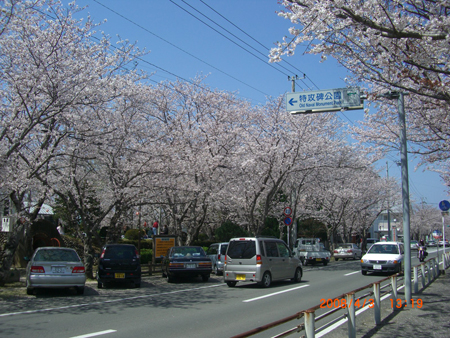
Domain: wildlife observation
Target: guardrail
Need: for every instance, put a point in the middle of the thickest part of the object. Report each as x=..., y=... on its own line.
x=423, y=274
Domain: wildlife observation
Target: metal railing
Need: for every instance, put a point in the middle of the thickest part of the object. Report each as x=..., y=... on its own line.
x=423, y=274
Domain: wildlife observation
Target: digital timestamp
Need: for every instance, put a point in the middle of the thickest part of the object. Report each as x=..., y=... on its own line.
x=342, y=303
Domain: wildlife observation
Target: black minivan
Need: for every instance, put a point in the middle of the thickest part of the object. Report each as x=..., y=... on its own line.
x=119, y=263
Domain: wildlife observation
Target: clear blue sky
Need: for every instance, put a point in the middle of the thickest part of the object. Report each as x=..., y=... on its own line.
x=228, y=41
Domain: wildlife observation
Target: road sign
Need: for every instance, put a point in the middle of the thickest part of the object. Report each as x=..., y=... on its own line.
x=444, y=205
x=287, y=211
x=288, y=221
x=324, y=100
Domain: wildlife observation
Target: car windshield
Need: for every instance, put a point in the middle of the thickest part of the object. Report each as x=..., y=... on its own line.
x=188, y=252
x=223, y=249
x=56, y=255
x=384, y=249
x=119, y=252
x=241, y=249
x=345, y=246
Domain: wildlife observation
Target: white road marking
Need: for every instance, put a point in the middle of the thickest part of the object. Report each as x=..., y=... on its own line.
x=108, y=301
x=351, y=273
x=94, y=334
x=274, y=294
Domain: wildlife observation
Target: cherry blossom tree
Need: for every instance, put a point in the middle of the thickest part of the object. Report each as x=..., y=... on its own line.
x=389, y=46
x=50, y=71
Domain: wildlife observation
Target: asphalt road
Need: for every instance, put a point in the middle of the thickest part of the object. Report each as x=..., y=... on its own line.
x=185, y=309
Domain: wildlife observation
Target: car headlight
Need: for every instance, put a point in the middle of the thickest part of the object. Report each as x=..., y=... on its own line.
x=364, y=260
x=394, y=261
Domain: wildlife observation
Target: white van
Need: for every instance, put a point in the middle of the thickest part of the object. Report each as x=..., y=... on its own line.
x=261, y=260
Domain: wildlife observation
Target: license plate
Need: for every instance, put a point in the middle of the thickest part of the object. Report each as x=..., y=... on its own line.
x=191, y=266
x=119, y=275
x=377, y=267
x=58, y=270
x=240, y=277
x=319, y=259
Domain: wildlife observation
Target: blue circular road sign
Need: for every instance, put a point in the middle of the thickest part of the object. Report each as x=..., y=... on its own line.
x=444, y=205
x=288, y=221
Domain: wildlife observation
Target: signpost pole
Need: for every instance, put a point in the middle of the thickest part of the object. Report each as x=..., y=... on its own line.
x=444, y=206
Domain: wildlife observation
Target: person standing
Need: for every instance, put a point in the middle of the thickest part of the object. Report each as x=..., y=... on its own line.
x=155, y=228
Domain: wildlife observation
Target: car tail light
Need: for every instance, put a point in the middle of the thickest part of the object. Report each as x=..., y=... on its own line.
x=335, y=251
x=78, y=269
x=204, y=264
x=218, y=257
x=176, y=265
x=103, y=254
x=350, y=251
x=136, y=253
x=258, y=259
x=37, y=269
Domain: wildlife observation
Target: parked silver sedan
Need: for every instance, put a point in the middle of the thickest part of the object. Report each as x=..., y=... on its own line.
x=54, y=267
x=347, y=250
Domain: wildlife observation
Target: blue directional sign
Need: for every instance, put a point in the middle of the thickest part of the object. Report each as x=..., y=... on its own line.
x=324, y=100
x=444, y=205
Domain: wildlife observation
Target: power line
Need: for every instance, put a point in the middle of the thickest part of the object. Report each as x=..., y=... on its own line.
x=175, y=46
x=262, y=45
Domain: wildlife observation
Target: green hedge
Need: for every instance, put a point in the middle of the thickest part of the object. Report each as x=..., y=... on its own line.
x=145, y=243
x=146, y=256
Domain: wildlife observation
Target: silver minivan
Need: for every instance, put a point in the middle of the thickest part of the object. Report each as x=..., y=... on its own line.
x=261, y=260
x=217, y=253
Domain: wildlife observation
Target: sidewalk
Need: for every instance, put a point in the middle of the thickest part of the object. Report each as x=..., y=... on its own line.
x=431, y=320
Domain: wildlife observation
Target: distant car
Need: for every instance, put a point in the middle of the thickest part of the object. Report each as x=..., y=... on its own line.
x=217, y=253
x=431, y=244
x=186, y=261
x=414, y=245
x=441, y=243
x=383, y=257
x=119, y=263
x=347, y=250
x=55, y=267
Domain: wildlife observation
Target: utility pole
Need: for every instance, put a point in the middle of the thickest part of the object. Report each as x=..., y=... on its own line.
x=388, y=211
x=293, y=78
x=405, y=189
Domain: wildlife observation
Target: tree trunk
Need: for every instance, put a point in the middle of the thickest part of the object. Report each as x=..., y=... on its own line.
x=88, y=256
x=9, y=250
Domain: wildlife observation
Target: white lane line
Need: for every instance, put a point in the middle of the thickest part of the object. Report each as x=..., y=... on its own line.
x=351, y=273
x=274, y=294
x=94, y=334
x=108, y=301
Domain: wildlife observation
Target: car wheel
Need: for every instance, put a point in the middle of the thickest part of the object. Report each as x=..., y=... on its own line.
x=266, y=280
x=80, y=290
x=170, y=278
x=336, y=259
x=297, y=275
x=99, y=285
x=216, y=270
x=137, y=284
x=325, y=263
x=364, y=272
x=231, y=284
x=30, y=291
x=205, y=278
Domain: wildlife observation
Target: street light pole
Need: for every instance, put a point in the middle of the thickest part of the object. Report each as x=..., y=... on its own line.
x=405, y=190
x=388, y=211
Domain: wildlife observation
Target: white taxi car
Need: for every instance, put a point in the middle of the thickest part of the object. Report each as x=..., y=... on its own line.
x=383, y=257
